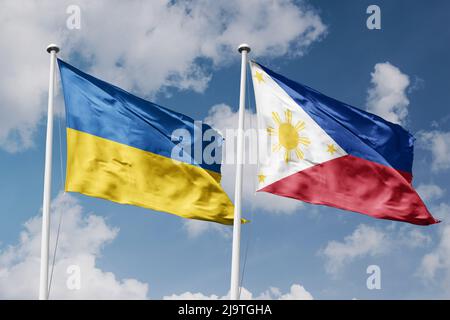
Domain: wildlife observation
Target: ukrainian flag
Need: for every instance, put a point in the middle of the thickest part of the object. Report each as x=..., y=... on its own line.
x=123, y=148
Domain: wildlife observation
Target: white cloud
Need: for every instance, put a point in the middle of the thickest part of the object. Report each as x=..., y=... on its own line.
x=81, y=241
x=430, y=192
x=438, y=260
x=364, y=241
x=411, y=238
x=296, y=292
x=438, y=143
x=195, y=228
x=387, y=95
x=191, y=296
x=435, y=265
x=25, y=31
x=143, y=46
x=368, y=241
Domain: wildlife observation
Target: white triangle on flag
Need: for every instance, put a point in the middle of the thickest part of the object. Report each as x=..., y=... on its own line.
x=289, y=139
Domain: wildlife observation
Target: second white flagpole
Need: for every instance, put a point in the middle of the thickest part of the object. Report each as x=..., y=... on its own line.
x=244, y=49
x=43, y=280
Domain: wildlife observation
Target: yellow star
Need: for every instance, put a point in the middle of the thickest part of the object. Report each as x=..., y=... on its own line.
x=259, y=77
x=261, y=178
x=331, y=149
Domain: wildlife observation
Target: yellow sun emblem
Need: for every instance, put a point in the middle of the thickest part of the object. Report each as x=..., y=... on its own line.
x=289, y=136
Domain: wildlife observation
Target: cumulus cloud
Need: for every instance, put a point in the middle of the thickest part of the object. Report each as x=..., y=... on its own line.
x=387, y=95
x=368, y=241
x=296, y=292
x=430, y=192
x=437, y=142
x=155, y=45
x=81, y=241
x=364, y=241
x=195, y=228
x=436, y=264
x=25, y=31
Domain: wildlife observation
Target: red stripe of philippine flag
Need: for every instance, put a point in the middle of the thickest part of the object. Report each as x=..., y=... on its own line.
x=322, y=151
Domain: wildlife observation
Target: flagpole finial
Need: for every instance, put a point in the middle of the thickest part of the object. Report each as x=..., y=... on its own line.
x=52, y=47
x=244, y=47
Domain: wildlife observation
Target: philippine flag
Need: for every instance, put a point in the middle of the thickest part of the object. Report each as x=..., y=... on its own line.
x=322, y=151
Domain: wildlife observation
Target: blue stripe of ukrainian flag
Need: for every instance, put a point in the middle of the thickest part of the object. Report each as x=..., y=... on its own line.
x=121, y=148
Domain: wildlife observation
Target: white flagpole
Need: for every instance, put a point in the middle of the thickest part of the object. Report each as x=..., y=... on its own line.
x=244, y=49
x=43, y=280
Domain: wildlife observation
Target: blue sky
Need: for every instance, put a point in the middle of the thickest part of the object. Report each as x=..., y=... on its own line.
x=191, y=65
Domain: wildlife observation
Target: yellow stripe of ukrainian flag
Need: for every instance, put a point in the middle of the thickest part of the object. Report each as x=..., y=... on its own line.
x=106, y=169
